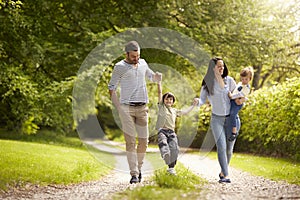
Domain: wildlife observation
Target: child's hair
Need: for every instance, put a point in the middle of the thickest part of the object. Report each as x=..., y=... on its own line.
x=167, y=95
x=247, y=71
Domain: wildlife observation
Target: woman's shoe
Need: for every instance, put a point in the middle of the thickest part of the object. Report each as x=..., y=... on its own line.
x=224, y=180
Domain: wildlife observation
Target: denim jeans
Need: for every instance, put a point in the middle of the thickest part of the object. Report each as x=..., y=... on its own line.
x=168, y=144
x=234, y=109
x=220, y=126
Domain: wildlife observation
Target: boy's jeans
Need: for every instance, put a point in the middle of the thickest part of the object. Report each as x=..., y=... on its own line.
x=234, y=109
x=168, y=145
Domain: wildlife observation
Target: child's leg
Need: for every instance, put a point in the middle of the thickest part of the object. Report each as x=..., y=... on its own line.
x=234, y=109
x=164, y=147
x=174, y=149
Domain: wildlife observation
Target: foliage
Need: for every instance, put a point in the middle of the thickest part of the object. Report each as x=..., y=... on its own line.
x=44, y=43
x=27, y=105
x=270, y=121
x=19, y=95
x=245, y=33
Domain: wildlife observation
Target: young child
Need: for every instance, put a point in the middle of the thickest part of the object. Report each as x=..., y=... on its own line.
x=242, y=90
x=167, y=138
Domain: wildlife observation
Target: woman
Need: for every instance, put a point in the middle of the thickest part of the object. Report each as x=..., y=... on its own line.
x=215, y=88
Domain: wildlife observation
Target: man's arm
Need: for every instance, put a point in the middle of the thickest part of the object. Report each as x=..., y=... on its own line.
x=114, y=99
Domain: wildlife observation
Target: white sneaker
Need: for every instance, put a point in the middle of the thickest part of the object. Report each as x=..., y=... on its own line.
x=171, y=171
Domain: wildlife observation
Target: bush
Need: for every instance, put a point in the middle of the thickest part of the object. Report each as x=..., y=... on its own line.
x=270, y=121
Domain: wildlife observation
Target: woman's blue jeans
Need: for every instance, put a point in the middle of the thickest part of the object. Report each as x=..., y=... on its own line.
x=221, y=129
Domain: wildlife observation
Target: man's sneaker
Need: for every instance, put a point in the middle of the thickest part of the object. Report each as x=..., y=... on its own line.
x=134, y=179
x=172, y=171
x=140, y=177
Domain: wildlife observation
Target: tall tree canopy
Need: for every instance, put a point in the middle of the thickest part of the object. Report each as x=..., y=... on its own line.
x=43, y=44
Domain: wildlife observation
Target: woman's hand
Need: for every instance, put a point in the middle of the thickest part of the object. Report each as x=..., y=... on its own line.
x=240, y=101
x=195, y=101
x=229, y=95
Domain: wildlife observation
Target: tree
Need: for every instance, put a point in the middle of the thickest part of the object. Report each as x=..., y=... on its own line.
x=255, y=33
x=42, y=46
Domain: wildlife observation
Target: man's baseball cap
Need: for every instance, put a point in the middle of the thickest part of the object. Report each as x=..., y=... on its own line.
x=132, y=46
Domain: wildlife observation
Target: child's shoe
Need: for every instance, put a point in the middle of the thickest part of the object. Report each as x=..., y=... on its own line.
x=172, y=171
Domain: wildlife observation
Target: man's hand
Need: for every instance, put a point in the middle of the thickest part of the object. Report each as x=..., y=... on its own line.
x=157, y=77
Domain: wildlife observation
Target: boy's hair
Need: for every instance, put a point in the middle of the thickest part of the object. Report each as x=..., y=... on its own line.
x=247, y=71
x=167, y=95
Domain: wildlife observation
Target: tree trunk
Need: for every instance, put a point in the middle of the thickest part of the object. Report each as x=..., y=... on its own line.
x=256, y=77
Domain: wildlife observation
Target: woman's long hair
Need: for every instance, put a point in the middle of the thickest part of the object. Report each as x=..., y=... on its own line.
x=208, y=81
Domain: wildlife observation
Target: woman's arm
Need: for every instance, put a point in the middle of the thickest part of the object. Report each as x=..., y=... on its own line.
x=203, y=96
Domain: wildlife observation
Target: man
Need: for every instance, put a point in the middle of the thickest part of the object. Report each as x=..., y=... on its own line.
x=131, y=74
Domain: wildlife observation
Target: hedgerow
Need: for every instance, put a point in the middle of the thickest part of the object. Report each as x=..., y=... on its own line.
x=271, y=121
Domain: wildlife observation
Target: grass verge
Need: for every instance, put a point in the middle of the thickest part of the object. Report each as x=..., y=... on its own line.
x=277, y=169
x=28, y=162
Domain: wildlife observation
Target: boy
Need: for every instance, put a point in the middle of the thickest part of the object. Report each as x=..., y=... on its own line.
x=167, y=138
x=242, y=90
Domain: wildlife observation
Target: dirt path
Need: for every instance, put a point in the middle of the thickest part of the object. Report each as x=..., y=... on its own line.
x=244, y=186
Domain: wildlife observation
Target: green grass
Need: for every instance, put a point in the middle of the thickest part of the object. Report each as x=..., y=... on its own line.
x=165, y=186
x=44, y=137
x=27, y=162
x=277, y=169
x=272, y=168
x=49, y=158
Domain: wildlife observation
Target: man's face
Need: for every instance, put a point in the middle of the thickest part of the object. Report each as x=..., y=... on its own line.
x=133, y=57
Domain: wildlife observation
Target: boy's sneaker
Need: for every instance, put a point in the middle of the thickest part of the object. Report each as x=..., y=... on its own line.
x=134, y=179
x=172, y=171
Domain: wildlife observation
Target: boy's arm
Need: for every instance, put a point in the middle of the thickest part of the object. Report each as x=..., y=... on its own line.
x=159, y=90
x=243, y=93
x=189, y=109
